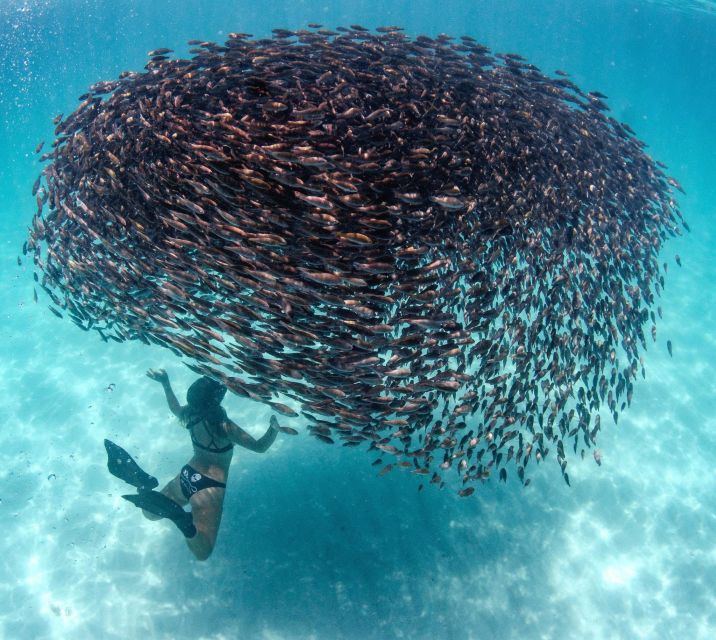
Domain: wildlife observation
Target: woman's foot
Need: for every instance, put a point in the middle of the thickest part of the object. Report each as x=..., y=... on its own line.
x=123, y=466
x=158, y=504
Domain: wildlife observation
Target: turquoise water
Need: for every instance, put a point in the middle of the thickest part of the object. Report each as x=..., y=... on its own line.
x=312, y=543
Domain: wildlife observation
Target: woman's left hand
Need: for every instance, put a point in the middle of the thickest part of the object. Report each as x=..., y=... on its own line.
x=160, y=375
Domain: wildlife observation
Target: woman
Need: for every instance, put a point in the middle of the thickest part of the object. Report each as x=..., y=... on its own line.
x=202, y=481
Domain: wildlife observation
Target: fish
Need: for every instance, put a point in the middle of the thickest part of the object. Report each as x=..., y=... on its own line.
x=289, y=430
x=283, y=409
x=425, y=249
x=158, y=52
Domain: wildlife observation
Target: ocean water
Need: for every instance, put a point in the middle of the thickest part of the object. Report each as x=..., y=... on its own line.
x=313, y=545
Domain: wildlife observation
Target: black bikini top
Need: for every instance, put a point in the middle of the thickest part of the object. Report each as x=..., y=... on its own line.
x=211, y=447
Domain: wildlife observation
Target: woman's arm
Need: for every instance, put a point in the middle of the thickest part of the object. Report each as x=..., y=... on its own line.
x=162, y=377
x=238, y=436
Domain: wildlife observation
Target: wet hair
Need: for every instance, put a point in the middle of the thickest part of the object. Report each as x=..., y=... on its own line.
x=204, y=398
x=205, y=392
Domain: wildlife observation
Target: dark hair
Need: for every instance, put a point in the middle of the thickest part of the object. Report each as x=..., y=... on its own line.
x=204, y=398
x=205, y=392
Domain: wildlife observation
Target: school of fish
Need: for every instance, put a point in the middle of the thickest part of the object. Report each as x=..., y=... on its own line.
x=437, y=253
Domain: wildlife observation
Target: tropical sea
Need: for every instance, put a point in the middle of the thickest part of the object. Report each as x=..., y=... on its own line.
x=313, y=544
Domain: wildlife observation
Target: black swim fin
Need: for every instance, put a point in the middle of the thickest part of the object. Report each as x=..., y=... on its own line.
x=158, y=504
x=123, y=466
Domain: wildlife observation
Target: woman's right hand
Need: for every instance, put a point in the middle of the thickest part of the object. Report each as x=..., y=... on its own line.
x=160, y=375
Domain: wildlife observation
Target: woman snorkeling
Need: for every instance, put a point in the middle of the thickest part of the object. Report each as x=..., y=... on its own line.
x=201, y=483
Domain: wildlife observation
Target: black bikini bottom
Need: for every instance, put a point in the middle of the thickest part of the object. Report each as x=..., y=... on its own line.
x=192, y=481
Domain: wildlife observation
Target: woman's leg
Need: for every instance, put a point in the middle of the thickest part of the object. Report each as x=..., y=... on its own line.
x=172, y=490
x=206, y=508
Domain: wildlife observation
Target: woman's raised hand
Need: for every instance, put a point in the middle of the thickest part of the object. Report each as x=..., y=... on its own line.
x=160, y=375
